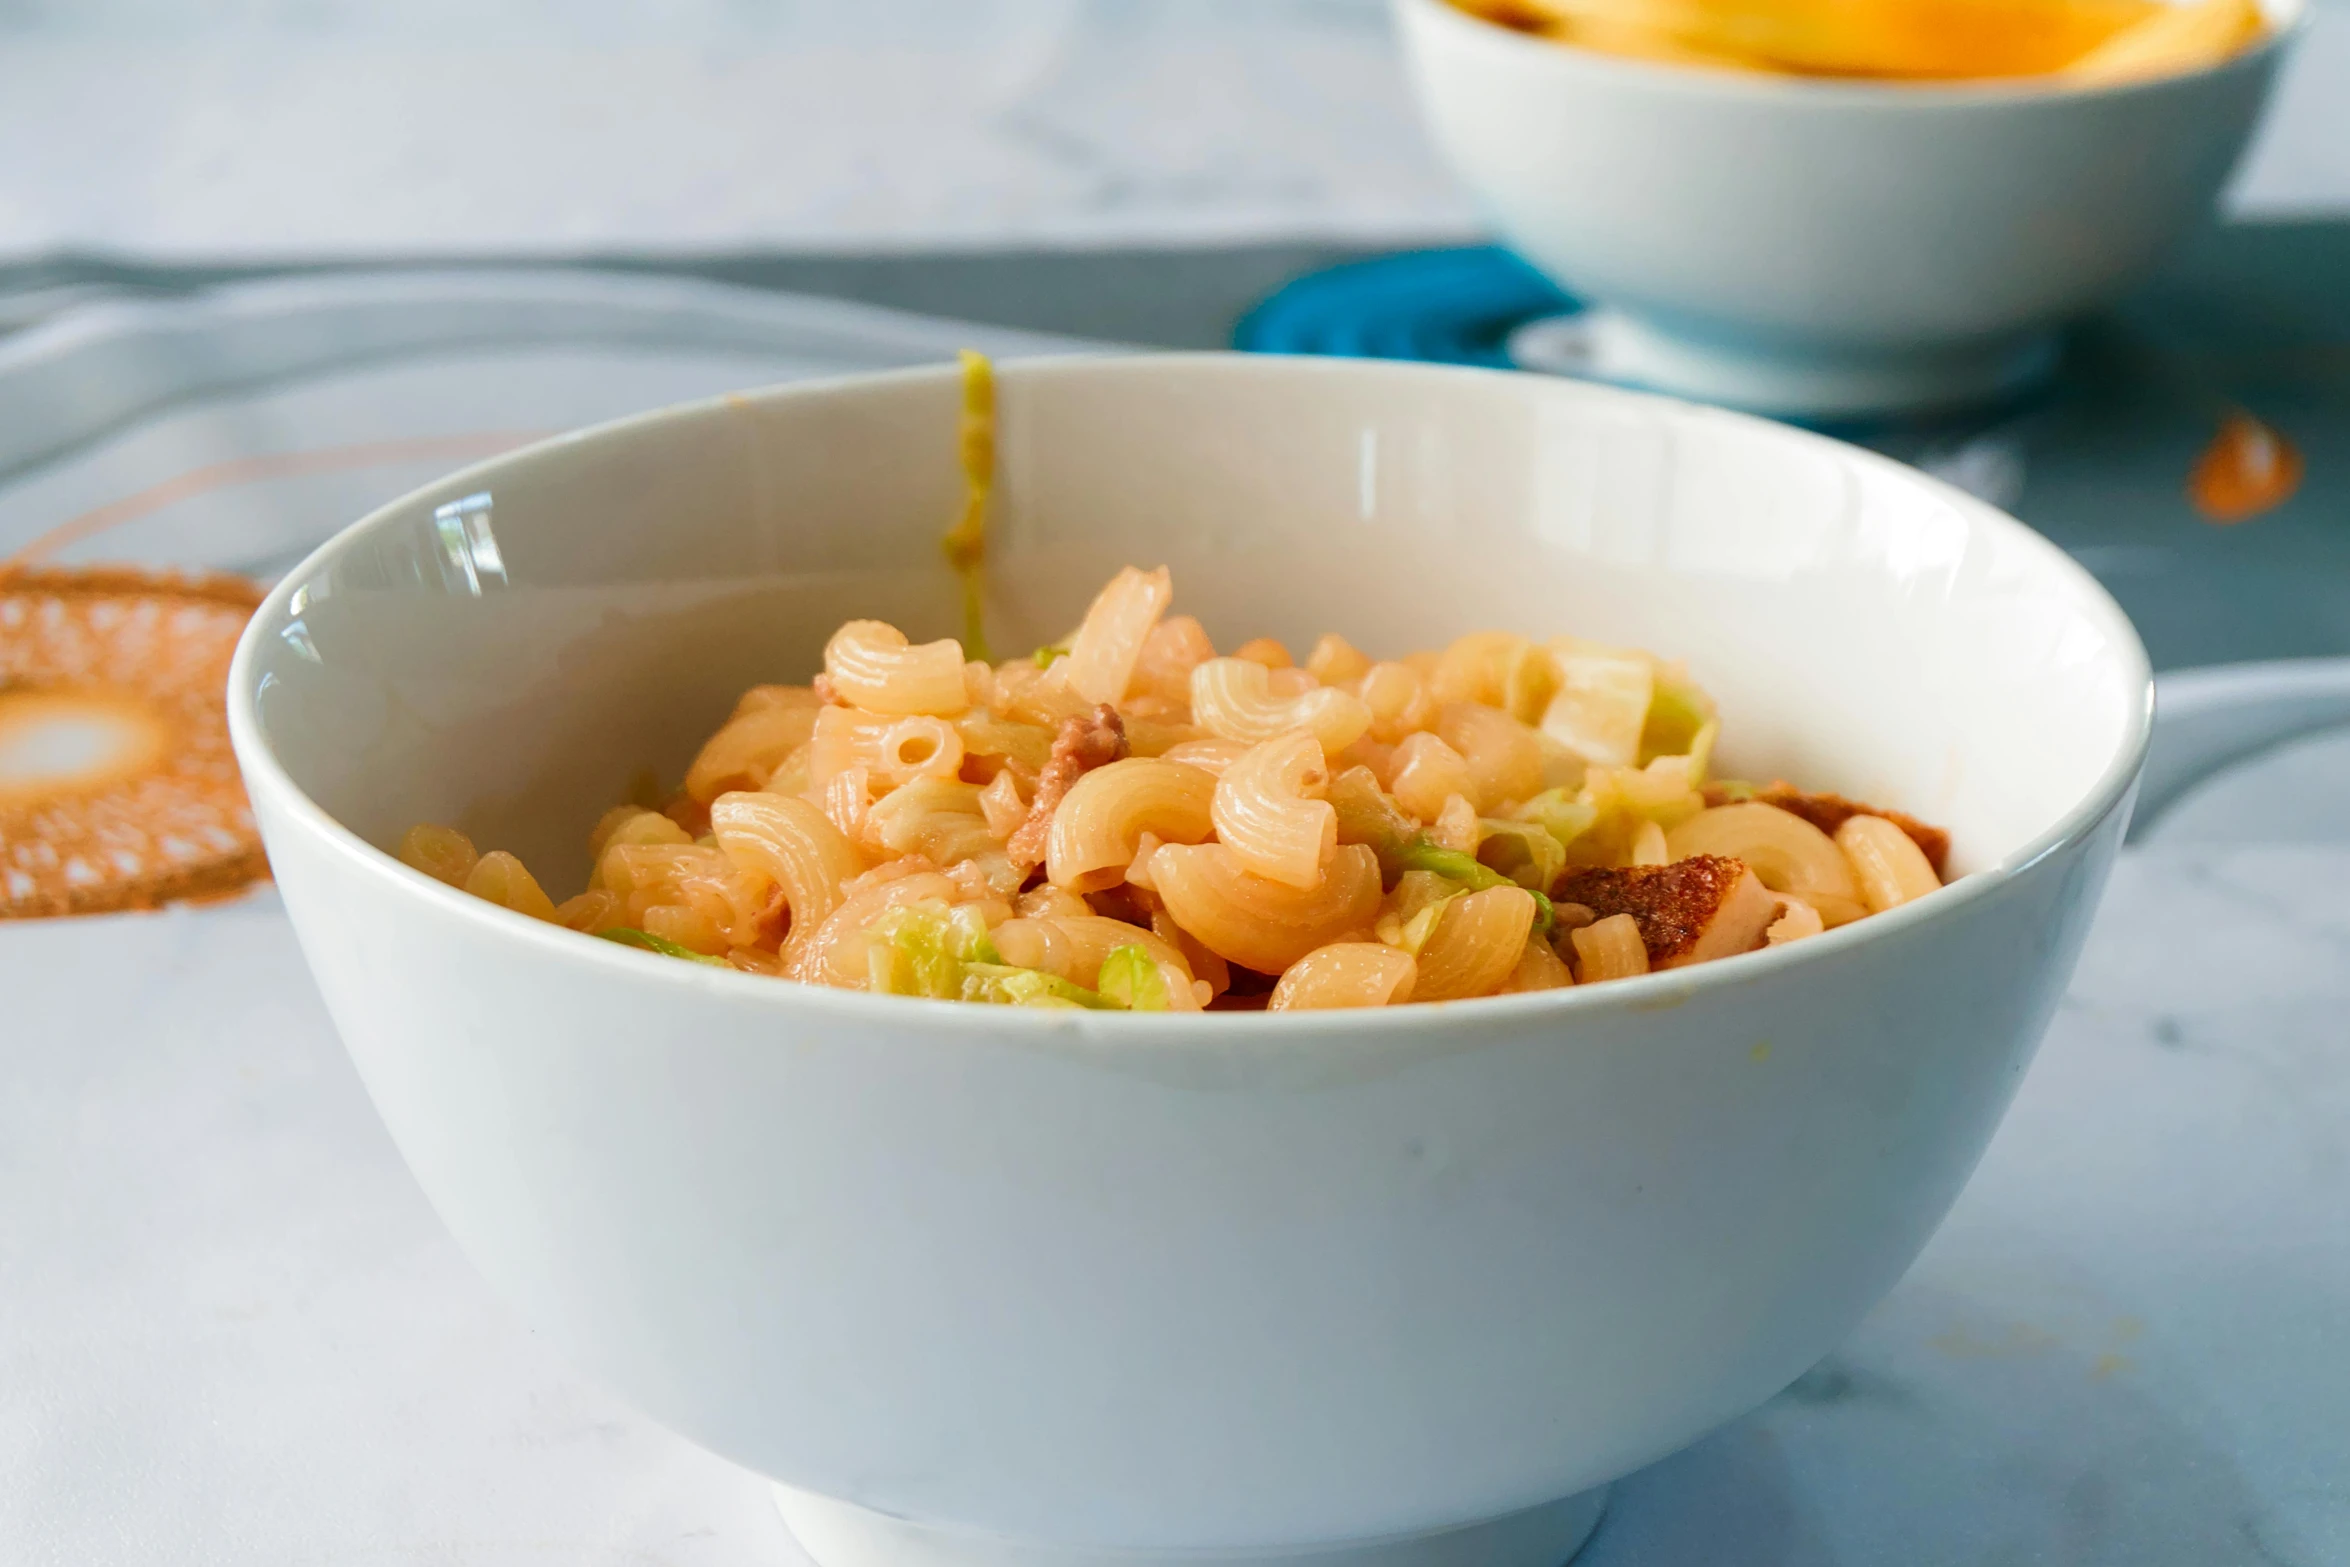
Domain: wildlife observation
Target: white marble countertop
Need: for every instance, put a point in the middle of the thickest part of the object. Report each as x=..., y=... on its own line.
x=280, y=130
x=251, y=1341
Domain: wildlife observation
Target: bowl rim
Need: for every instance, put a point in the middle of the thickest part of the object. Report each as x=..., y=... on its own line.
x=2287, y=21
x=1658, y=990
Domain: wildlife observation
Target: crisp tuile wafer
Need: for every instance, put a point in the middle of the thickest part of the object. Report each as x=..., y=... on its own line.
x=143, y=656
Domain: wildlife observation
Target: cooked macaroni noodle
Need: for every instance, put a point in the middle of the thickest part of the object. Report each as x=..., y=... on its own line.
x=1241, y=699
x=1270, y=812
x=1346, y=974
x=1099, y=825
x=1129, y=821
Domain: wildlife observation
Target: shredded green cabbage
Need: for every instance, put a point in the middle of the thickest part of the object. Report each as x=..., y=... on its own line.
x=921, y=949
x=1677, y=715
x=969, y=940
x=1027, y=987
x=909, y=954
x=1563, y=813
x=1130, y=978
x=1367, y=815
x=1422, y=925
x=946, y=954
x=1525, y=852
x=1602, y=702
x=1423, y=854
x=646, y=941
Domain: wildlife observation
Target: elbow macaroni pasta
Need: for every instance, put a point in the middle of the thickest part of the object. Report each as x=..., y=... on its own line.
x=1175, y=647
x=871, y=666
x=945, y=822
x=498, y=877
x=1539, y=967
x=1398, y=700
x=1270, y=812
x=1426, y=773
x=1477, y=942
x=1132, y=822
x=1260, y=924
x=1787, y=852
x=1890, y=868
x=1109, y=644
x=1335, y=661
x=1101, y=821
x=794, y=845
x=1610, y=949
x=1240, y=699
x=1346, y=974
x=1503, y=759
x=754, y=743
x=891, y=750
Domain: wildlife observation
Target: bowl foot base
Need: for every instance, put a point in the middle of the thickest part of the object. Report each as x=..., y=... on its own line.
x=1607, y=345
x=836, y=1534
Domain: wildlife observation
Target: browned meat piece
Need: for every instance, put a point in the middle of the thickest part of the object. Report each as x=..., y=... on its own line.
x=689, y=813
x=1691, y=911
x=1083, y=744
x=1130, y=904
x=1828, y=812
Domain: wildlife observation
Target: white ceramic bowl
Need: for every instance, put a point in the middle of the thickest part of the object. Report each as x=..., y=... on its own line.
x=983, y=1285
x=1819, y=247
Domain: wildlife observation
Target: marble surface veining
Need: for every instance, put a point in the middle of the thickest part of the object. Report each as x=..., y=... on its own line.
x=301, y=129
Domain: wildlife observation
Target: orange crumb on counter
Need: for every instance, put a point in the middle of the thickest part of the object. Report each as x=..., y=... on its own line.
x=2247, y=469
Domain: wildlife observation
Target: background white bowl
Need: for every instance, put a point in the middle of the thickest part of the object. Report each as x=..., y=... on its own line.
x=981, y=1285
x=1822, y=247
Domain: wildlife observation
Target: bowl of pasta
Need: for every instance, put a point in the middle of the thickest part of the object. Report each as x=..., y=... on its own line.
x=1366, y=950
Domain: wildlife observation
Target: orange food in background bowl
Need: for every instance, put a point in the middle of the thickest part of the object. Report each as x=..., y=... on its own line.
x=1848, y=208
x=2073, y=42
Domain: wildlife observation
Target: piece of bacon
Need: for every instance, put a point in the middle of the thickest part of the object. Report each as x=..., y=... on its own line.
x=1084, y=743
x=1828, y=812
x=1691, y=911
